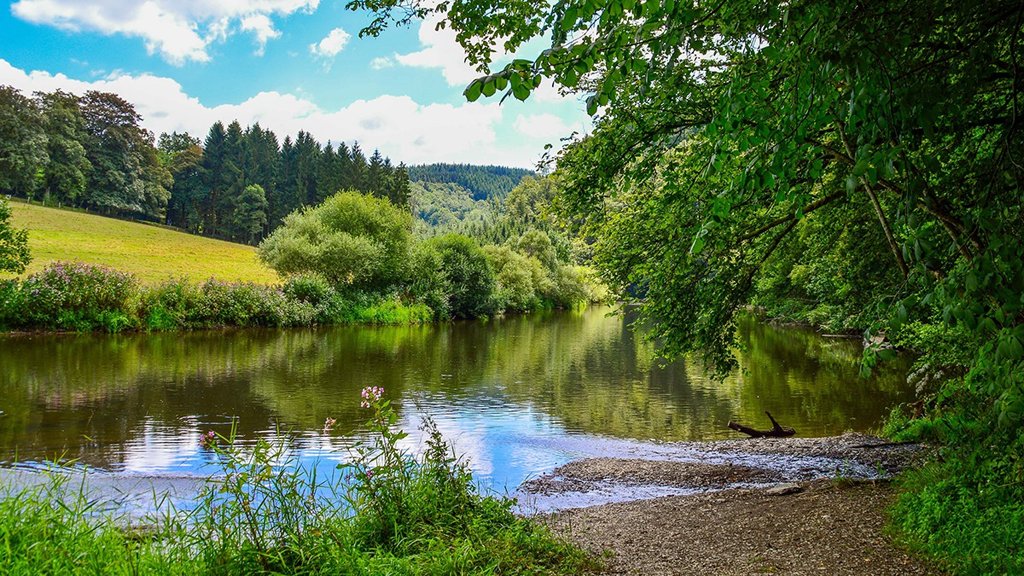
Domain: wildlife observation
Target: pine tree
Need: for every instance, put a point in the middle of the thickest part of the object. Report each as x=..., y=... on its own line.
x=213, y=169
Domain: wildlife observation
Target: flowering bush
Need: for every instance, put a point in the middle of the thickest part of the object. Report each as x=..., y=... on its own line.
x=78, y=296
x=84, y=297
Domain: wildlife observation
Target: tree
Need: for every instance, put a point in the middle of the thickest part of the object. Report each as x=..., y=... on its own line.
x=64, y=177
x=728, y=131
x=14, y=253
x=250, y=214
x=397, y=187
x=307, y=160
x=126, y=175
x=355, y=241
x=329, y=173
x=233, y=177
x=182, y=156
x=263, y=166
x=212, y=170
x=286, y=200
x=358, y=176
x=375, y=174
x=22, y=143
x=465, y=273
x=739, y=118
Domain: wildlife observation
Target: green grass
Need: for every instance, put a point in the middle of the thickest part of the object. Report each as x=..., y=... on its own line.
x=152, y=253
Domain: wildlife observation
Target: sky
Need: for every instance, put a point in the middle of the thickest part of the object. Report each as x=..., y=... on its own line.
x=288, y=64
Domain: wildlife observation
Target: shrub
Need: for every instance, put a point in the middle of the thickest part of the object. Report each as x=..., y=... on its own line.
x=468, y=280
x=429, y=283
x=215, y=304
x=355, y=241
x=516, y=278
x=78, y=297
x=14, y=252
x=310, y=288
x=10, y=302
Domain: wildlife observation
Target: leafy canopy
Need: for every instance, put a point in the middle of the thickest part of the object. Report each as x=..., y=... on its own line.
x=720, y=125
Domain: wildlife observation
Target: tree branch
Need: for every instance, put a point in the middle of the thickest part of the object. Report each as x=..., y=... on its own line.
x=792, y=217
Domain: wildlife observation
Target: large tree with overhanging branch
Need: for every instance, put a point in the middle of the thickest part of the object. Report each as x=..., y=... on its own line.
x=734, y=139
x=721, y=126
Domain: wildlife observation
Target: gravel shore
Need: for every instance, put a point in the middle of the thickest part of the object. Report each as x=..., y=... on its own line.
x=796, y=506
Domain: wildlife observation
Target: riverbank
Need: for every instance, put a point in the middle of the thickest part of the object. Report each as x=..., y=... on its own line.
x=826, y=528
x=742, y=507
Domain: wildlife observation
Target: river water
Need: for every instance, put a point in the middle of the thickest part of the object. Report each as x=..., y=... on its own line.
x=517, y=396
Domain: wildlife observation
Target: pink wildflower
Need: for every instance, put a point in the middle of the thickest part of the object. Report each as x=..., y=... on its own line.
x=371, y=394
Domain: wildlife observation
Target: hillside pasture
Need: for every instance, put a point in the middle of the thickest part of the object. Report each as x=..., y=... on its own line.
x=152, y=253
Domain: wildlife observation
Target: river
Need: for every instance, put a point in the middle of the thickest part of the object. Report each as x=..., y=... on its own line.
x=517, y=396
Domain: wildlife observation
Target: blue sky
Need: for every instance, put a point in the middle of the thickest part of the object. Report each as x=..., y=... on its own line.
x=290, y=65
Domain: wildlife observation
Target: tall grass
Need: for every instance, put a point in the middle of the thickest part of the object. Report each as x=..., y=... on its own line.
x=386, y=512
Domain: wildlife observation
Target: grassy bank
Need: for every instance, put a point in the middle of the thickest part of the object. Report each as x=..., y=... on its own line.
x=964, y=508
x=386, y=513
x=151, y=253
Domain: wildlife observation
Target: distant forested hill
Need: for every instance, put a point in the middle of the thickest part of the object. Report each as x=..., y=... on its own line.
x=482, y=182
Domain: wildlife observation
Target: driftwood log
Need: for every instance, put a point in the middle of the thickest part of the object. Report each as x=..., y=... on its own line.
x=776, y=431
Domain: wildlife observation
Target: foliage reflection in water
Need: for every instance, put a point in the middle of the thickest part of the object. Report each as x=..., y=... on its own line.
x=516, y=395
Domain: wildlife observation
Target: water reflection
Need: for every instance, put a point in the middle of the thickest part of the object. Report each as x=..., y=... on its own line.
x=505, y=391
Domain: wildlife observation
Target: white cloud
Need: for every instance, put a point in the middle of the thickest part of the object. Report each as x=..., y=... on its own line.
x=403, y=129
x=440, y=50
x=544, y=126
x=179, y=30
x=262, y=27
x=381, y=62
x=330, y=45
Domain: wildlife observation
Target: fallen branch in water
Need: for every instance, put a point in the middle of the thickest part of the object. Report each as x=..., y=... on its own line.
x=777, y=431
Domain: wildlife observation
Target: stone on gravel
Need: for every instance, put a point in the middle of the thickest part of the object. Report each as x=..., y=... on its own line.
x=784, y=489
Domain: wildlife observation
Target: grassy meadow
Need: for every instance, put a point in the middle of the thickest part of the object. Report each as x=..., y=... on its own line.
x=153, y=254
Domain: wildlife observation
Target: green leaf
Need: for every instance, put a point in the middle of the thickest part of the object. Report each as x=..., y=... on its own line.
x=860, y=167
x=489, y=87
x=698, y=244
x=472, y=92
x=569, y=19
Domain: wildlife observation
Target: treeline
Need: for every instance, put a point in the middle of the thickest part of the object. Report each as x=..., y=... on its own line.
x=482, y=181
x=240, y=183
x=353, y=258
x=90, y=152
x=87, y=151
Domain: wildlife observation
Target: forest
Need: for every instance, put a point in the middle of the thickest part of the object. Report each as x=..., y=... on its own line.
x=90, y=151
